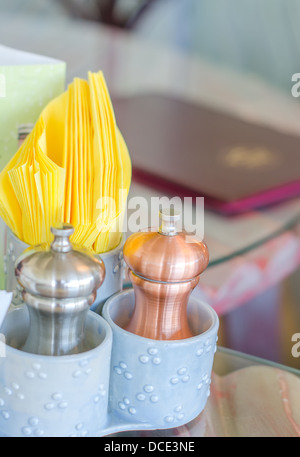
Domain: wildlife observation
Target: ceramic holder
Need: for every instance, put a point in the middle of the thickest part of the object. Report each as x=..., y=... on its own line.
x=160, y=384
x=113, y=261
x=50, y=396
x=125, y=382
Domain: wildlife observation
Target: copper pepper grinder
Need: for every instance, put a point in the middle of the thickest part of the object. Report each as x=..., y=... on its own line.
x=164, y=268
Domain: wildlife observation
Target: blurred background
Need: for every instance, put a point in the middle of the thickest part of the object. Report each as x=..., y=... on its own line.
x=233, y=56
x=253, y=37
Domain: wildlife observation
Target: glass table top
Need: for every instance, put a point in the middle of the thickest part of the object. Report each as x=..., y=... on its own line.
x=229, y=237
x=250, y=397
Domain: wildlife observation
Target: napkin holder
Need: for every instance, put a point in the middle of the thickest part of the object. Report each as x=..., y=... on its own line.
x=124, y=381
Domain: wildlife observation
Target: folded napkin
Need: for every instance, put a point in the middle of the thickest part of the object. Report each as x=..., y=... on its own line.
x=74, y=167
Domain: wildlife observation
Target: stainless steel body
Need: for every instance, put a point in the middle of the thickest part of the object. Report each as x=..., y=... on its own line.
x=113, y=261
x=58, y=285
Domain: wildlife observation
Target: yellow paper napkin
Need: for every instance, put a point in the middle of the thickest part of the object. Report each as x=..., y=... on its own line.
x=74, y=167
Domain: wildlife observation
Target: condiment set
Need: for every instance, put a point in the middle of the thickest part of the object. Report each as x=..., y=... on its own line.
x=82, y=363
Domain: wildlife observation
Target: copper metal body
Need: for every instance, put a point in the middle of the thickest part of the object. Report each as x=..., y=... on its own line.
x=164, y=269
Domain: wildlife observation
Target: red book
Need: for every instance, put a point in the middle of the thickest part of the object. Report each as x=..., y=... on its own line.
x=187, y=149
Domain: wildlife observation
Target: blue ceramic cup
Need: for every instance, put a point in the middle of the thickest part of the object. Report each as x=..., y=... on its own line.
x=160, y=384
x=54, y=396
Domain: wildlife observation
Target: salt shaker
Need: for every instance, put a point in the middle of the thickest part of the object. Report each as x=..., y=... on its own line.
x=164, y=267
x=59, y=283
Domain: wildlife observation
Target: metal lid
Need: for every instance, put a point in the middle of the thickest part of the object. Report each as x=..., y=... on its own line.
x=61, y=270
x=166, y=255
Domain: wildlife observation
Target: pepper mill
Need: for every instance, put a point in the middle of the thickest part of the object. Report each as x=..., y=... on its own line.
x=59, y=283
x=164, y=268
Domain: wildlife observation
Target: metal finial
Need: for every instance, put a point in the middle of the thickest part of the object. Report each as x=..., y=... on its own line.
x=168, y=218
